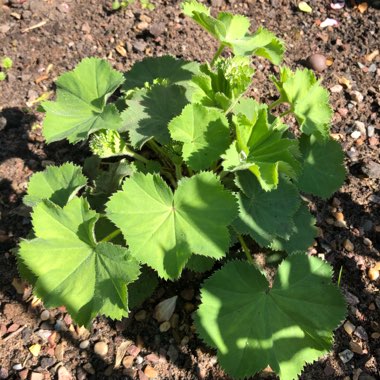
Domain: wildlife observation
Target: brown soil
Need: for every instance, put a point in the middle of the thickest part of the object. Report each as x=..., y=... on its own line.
x=75, y=29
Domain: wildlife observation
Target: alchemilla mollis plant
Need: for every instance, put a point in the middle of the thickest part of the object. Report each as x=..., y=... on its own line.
x=185, y=167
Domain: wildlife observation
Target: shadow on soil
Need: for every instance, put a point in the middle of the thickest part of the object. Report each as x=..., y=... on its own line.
x=15, y=224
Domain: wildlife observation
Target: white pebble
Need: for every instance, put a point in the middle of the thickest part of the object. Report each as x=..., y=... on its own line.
x=355, y=135
x=45, y=315
x=18, y=367
x=84, y=344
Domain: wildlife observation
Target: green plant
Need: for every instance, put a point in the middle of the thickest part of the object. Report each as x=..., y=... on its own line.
x=6, y=64
x=145, y=4
x=201, y=167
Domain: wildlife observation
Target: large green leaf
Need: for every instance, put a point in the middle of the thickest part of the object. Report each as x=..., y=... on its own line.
x=323, y=171
x=163, y=229
x=80, y=108
x=303, y=236
x=56, y=183
x=232, y=31
x=309, y=101
x=204, y=132
x=165, y=68
x=285, y=326
x=260, y=148
x=265, y=215
x=70, y=268
x=150, y=111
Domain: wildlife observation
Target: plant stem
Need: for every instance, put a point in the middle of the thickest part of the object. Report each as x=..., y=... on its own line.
x=160, y=152
x=275, y=103
x=135, y=155
x=112, y=235
x=222, y=174
x=245, y=249
x=217, y=54
x=169, y=176
x=340, y=275
x=190, y=171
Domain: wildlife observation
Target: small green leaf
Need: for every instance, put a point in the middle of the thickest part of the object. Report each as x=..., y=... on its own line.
x=165, y=68
x=323, y=170
x=59, y=184
x=308, y=99
x=204, y=132
x=71, y=268
x=80, y=108
x=3, y=76
x=303, y=236
x=150, y=111
x=194, y=219
x=253, y=326
x=260, y=147
x=6, y=63
x=265, y=215
x=108, y=143
x=232, y=31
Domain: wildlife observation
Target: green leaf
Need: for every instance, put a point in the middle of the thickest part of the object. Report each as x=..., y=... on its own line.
x=232, y=31
x=262, y=43
x=71, y=268
x=59, y=184
x=163, y=229
x=165, y=69
x=303, y=236
x=3, y=76
x=80, y=108
x=323, y=171
x=140, y=290
x=204, y=132
x=253, y=326
x=200, y=264
x=150, y=111
x=260, y=147
x=308, y=99
x=265, y=215
x=220, y=86
x=6, y=63
x=108, y=143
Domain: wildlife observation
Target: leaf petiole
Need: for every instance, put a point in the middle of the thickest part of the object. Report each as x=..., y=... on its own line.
x=217, y=54
x=111, y=236
x=275, y=103
x=130, y=153
x=245, y=249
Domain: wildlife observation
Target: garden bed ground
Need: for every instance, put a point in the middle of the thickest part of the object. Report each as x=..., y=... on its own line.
x=70, y=30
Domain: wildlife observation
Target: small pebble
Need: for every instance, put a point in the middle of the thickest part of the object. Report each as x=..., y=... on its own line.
x=35, y=349
x=150, y=372
x=37, y=376
x=355, y=135
x=373, y=274
x=128, y=361
x=346, y=356
x=348, y=246
x=45, y=315
x=367, y=242
x=349, y=327
x=337, y=88
x=339, y=216
x=17, y=367
x=375, y=335
x=153, y=358
x=356, y=348
x=140, y=315
x=139, y=359
x=133, y=350
x=165, y=326
x=357, y=96
x=101, y=348
x=59, y=351
x=361, y=333
x=317, y=62
x=370, y=130
x=84, y=344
